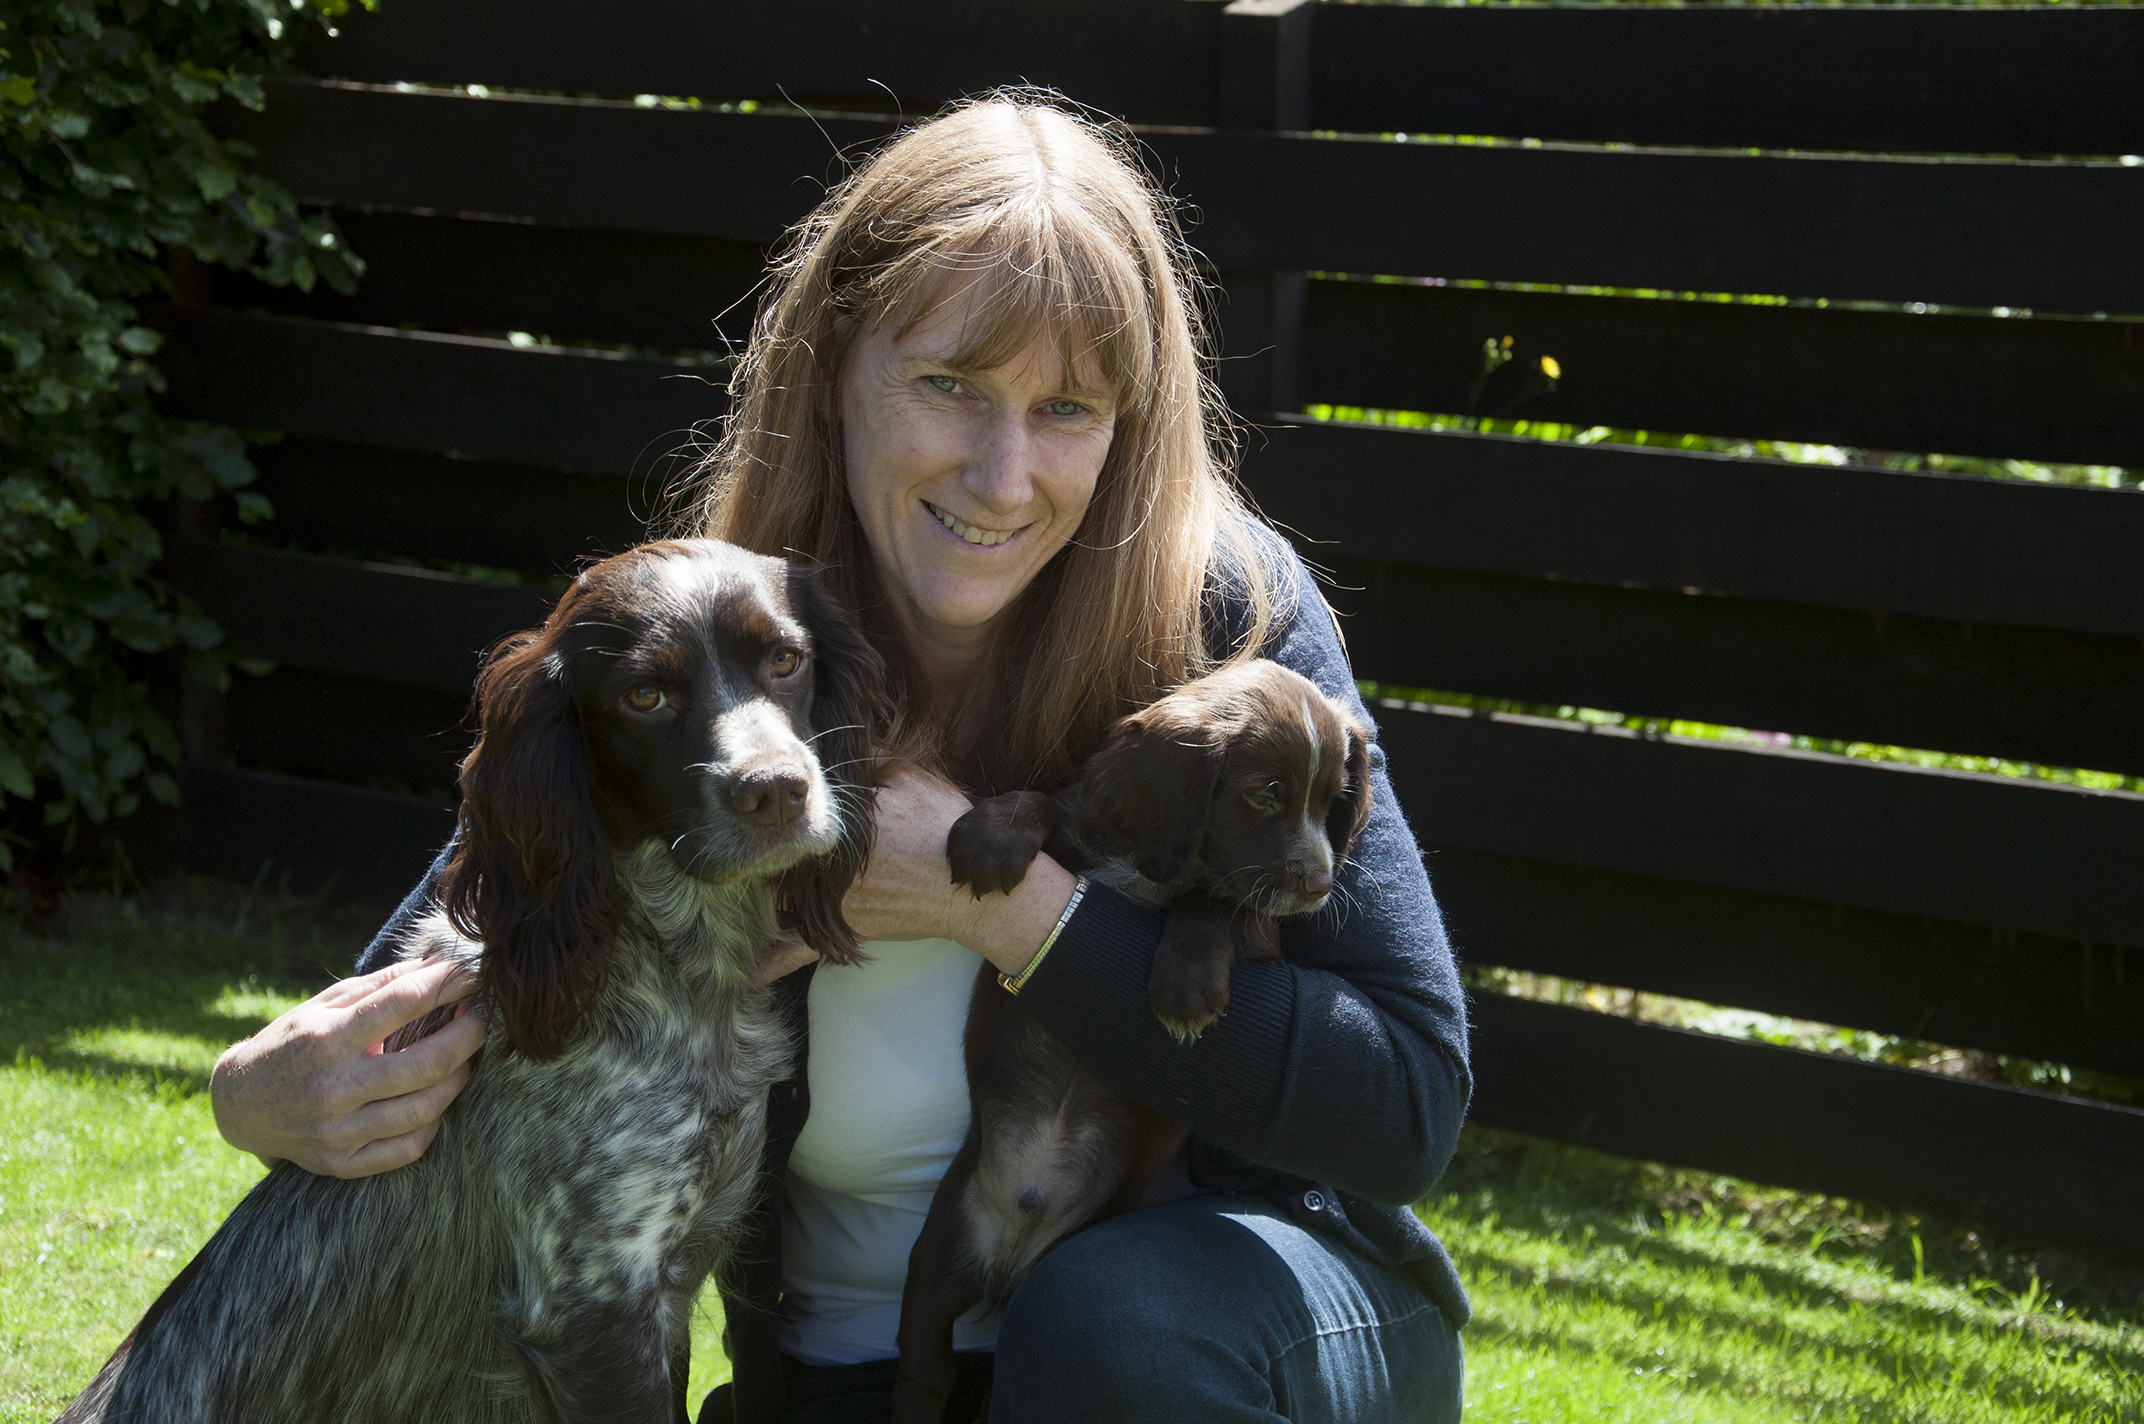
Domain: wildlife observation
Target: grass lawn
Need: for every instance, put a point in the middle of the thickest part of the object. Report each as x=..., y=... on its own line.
x=1605, y=1290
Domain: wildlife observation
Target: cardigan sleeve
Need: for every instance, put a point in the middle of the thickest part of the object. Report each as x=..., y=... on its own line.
x=1345, y=1061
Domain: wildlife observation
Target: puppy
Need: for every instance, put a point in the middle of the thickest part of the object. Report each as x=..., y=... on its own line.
x=662, y=787
x=1230, y=801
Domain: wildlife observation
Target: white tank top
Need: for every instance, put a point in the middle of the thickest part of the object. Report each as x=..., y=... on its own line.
x=889, y=1108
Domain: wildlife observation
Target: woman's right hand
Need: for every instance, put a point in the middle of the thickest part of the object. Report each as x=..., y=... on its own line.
x=314, y=1088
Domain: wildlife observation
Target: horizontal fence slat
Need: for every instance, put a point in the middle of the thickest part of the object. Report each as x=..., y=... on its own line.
x=2060, y=237
x=313, y=724
x=2026, y=694
x=742, y=177
x=1891, y=80
x=1965, y=986
x=2060, y=1168
x=354, y=619
x=1978, y=550
x=1906, y=79
x=427, y=506
x=309, y=835
x=1154, y=61
x=2024, y=388
x=574, y=284
x=575, y=410
x=2033, y=856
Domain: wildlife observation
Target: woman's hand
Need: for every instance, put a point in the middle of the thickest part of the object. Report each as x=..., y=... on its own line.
x=906, y=892
x=314, y=1088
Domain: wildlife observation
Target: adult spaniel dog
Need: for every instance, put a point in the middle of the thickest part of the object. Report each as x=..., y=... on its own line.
x=667, y=782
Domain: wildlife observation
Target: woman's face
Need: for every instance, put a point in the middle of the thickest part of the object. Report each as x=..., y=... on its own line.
x=967, y=481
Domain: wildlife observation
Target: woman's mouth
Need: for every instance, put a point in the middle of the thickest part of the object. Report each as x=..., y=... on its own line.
x=985, y=538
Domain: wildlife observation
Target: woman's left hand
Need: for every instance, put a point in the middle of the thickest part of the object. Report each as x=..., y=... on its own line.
x=906, y=892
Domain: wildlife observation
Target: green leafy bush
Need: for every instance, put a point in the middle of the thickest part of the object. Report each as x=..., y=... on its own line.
x=107, y=168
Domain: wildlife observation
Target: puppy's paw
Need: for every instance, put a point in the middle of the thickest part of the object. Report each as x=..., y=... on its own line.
x=1187, y=1000
x=1188, y=988
x=991, y=846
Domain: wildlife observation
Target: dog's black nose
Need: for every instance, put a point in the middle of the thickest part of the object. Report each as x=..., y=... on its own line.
x=773, y=797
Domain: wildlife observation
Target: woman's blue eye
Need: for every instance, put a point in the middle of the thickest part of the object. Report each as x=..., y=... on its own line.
x=945, y=383
x=1065, y=407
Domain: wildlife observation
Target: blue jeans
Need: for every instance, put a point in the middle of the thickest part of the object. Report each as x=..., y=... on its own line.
x=1216, y=1309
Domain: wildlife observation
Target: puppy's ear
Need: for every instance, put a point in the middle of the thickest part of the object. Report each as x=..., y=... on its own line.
x=531, y=873
x=848, y=690
x=1151, y=786
x=1351, y=808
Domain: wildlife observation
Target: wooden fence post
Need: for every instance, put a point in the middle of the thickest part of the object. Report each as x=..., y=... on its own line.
x=1265, y=78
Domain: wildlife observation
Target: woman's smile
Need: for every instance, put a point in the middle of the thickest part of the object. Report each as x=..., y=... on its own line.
x=972, y=535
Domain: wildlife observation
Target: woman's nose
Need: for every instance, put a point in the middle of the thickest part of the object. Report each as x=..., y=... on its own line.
x=1001, y=462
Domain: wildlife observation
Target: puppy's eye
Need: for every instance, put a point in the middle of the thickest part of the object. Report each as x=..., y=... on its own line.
x=785, y=661
x=645, y=698
x=1266, y=799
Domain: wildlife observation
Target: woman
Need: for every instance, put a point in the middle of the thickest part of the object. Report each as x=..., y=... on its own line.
x=973, y=393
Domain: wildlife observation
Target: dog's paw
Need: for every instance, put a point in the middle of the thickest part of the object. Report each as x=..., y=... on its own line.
x=991, y=846
x=1187, y=994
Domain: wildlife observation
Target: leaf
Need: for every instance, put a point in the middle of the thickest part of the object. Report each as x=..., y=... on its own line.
x=215, y=181
x=18, y=89
x=141, y=340
x=15, y=777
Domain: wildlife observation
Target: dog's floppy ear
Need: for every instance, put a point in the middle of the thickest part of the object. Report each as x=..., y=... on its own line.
x=531, y=873
x=1152, y=784
x=1351, y=808
x=847, y=692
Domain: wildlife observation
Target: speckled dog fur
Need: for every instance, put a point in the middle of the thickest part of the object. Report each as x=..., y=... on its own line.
x=540, y=1261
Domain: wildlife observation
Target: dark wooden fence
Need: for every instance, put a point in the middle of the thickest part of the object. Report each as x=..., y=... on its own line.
x=1715, y=150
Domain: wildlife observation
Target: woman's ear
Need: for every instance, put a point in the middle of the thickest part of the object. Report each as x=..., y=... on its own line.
x=1151, y=787
x=531, y=872
x=848, y=691
x=1351, y=809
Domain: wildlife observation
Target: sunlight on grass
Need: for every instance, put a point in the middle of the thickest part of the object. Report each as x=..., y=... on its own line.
x=1596, y=1301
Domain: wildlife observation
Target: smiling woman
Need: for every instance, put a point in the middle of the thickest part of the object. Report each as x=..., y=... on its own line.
x=976, y=397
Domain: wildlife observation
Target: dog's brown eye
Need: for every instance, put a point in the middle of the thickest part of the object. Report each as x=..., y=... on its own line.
x=785, y=662
x=1267, y=798
x=644, y=698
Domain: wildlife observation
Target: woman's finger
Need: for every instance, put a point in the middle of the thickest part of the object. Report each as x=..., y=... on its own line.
x=385, y=1154
x=397, y=1117
x=424, y=1063
x=404, y=999
x=344, y=992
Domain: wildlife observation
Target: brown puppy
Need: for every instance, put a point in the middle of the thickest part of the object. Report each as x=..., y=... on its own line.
x=1230, y=801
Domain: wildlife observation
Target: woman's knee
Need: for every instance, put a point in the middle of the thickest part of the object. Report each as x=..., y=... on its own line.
x=1182, y=1313
x=1115, y=1324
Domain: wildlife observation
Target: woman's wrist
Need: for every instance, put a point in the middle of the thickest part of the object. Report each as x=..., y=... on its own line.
x=1009, y=930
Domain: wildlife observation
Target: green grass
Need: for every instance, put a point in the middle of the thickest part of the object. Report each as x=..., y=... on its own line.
x=1605, y=1290
x=1613, y=1290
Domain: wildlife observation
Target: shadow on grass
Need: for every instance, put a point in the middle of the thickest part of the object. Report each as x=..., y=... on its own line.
x=1597, y=1207
x=126, y=966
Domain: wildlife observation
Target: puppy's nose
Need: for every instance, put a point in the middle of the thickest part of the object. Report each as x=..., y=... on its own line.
x=772, y=797
x=1318, y=883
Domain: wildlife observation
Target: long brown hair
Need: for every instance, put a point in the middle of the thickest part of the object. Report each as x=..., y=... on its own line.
x=1055, y=216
